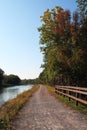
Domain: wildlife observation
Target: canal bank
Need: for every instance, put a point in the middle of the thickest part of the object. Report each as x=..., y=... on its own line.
x=10, y=109
x=12, y=92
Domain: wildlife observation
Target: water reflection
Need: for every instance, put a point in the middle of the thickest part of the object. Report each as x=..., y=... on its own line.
x=11, y=92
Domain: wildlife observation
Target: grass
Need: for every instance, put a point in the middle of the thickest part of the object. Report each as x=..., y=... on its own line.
x=10, y=109
x=65, y=100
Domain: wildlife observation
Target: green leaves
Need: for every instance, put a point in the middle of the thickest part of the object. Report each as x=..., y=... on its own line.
x=82, y=6
x=1, y=76
x=63, y=44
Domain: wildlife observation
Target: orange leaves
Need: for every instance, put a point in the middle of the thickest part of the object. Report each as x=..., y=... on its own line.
x=59, y=30
x=62, y=22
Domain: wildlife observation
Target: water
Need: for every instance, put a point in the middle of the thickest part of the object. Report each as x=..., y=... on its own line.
x=9, y=93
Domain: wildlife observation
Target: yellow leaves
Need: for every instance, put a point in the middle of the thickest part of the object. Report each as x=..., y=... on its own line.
x=46, y=17
x=59, y=9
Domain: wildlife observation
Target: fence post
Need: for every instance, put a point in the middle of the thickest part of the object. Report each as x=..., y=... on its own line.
x=77, y=96
x=69, y=94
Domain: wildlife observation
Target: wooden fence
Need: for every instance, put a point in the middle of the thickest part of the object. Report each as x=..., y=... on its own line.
x=78, y=94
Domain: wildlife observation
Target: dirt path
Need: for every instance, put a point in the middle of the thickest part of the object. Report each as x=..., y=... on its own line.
x=44, y=112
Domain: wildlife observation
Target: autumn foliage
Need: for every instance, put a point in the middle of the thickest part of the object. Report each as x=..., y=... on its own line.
x=63, y=39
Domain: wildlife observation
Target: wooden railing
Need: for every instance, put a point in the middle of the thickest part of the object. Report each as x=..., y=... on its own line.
x=78, y=94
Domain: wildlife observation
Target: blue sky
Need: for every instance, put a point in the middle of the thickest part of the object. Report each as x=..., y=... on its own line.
x=19, y=37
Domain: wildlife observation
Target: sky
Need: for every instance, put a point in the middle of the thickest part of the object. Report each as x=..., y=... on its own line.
x=19, y=38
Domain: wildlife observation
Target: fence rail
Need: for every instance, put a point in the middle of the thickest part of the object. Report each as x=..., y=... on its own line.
x=76, y=93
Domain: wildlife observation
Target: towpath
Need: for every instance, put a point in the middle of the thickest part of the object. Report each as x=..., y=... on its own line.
x=44, y=112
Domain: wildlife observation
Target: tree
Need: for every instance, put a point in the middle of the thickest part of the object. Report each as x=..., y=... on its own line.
x=82, y=5
x=1, y=76
x=64, y=45
x=11, y=80
x=48, y=39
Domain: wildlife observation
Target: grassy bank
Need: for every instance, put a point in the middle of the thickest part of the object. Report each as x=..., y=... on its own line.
x=65, y=100
x=10, y=109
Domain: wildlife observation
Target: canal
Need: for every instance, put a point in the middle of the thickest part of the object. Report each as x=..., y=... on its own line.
x=9, y=93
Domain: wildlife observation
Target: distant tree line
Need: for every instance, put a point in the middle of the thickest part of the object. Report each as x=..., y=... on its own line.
x=12, y=80
x=8, y=80
x=31, y=81
x=63, y=40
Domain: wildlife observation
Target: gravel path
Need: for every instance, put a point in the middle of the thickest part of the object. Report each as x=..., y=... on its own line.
x=44, y=112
